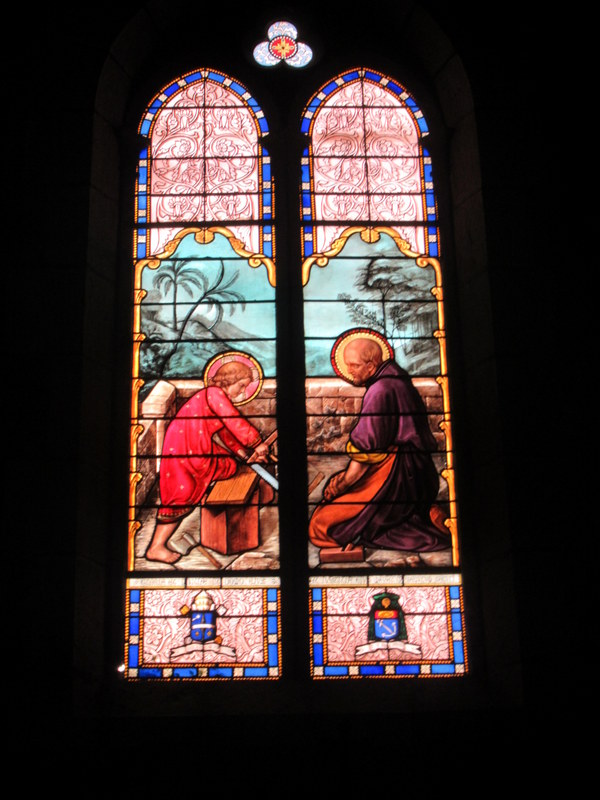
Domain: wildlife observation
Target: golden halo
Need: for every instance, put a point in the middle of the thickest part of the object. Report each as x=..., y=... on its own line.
x=338, y=349
x=221, y=359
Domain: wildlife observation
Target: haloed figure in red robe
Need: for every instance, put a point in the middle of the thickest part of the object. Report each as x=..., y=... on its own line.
x=191, y=460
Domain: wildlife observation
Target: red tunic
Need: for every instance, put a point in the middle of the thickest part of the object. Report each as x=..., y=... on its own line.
x=191, y=460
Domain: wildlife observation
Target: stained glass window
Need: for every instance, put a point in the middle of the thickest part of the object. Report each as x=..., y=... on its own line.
x=282, y=46
x=203, y=589
x=385, y=585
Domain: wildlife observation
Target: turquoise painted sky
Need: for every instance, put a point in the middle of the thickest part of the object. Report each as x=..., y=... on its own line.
x=248, y=318
x=410, y=310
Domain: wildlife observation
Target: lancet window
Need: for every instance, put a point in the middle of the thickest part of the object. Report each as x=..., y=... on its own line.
x=204, y=584
x=385, y=584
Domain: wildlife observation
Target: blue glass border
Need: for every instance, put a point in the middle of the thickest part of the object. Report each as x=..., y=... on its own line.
x=145, y=127
x=214, y=671
x=312, y=108
x=195, y=77
x=453, y=667
x=322, y=94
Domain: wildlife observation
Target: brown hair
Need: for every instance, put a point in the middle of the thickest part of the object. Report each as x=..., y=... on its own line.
x=229, y=373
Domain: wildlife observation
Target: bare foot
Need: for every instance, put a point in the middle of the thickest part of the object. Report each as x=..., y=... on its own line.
x=163, y=554
x=413, y=561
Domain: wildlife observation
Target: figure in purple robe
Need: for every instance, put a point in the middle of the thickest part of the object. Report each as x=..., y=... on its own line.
x=384, y=497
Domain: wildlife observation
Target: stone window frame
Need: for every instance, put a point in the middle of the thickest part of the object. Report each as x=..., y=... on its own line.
x=122, y=80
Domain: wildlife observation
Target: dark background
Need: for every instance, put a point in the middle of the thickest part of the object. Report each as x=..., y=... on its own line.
x=518, y=60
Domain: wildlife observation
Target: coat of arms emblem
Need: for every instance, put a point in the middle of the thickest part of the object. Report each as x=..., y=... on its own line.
x=203, y=638
x=387, y=629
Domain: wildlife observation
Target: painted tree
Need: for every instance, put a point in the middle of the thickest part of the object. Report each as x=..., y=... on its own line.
x=381, y=280
x=407, y=310
x=210, y=294
x=175, y=275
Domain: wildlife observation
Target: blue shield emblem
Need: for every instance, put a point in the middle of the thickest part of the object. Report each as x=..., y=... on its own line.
x=386, y=619
x=386, y=625
x=204, y=626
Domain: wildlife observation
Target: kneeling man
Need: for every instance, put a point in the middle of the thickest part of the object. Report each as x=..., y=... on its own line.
x=385, y=495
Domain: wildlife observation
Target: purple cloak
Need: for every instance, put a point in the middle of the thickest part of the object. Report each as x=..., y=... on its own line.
x=393, y=417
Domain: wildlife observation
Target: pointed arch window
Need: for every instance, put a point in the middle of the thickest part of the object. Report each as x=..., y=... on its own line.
x=385, y=585
x=206, y=163
x=203, y=596
x=203, y=589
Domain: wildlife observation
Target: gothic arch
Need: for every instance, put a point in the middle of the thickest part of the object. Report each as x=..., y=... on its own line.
x=132, y=66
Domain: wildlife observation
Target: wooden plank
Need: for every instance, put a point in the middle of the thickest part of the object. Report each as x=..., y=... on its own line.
x=332, y=555
x=233, y=491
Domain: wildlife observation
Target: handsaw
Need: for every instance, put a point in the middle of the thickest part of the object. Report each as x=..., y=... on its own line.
x=243, y=456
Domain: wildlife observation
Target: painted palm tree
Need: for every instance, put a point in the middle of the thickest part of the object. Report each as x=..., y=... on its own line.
x=214, y=297
x=178, y=274
x=217, y=296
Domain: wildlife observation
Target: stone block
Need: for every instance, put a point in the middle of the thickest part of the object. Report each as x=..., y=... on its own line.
x=160, y=403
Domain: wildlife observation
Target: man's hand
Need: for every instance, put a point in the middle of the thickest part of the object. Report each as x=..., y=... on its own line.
x=336, y=486
x=260, y=453
x=342, y=481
